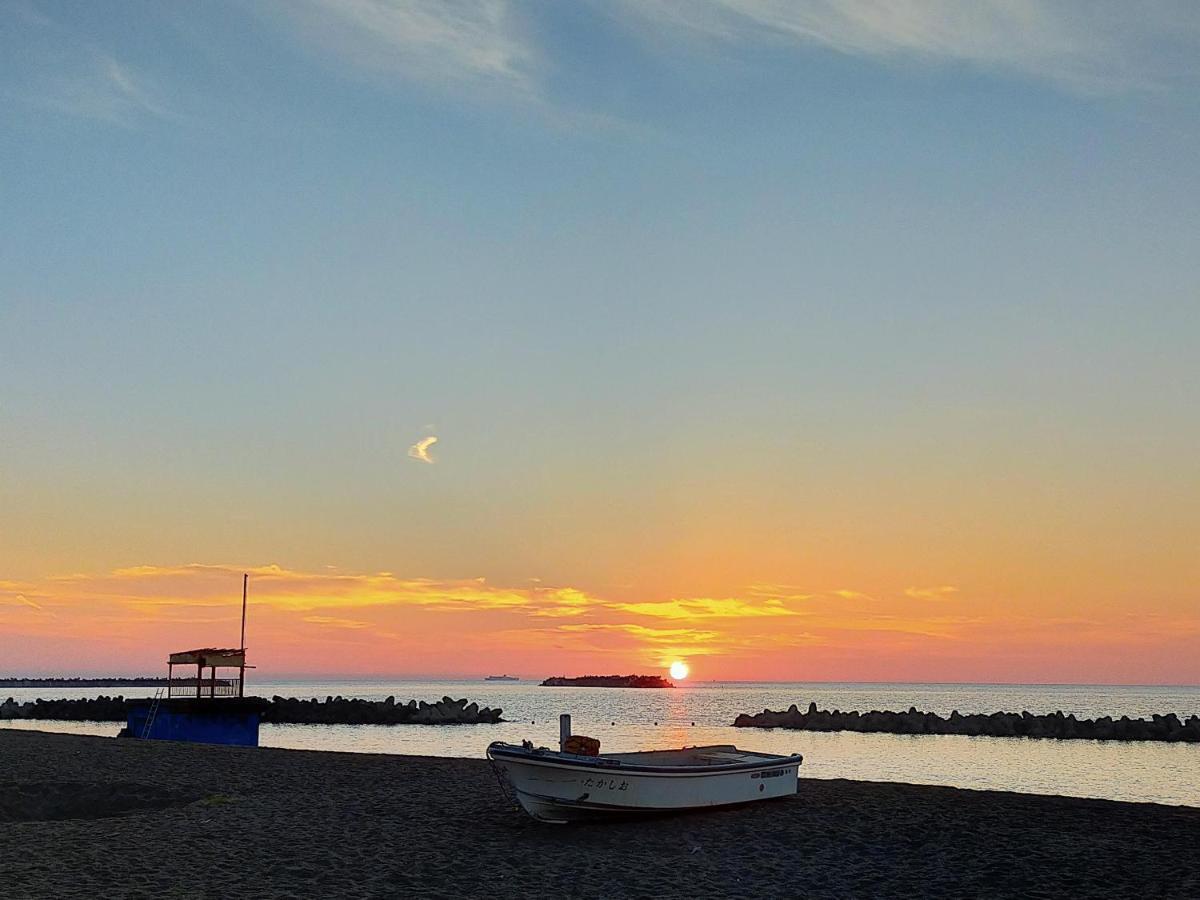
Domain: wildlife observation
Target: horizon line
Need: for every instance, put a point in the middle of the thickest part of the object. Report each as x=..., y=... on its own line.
x=437, y=678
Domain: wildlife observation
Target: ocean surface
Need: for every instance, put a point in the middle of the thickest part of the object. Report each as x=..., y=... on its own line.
x=702, y=713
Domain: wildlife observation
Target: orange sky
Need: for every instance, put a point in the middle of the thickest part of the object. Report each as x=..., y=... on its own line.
x=330, y=621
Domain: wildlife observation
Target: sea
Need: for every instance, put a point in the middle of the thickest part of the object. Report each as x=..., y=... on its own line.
x=697, y=713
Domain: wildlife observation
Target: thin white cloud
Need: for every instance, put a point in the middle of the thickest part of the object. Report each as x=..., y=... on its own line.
x=57, y=68
x=1092, y=47
x=448, y=42
x=109, y=91
x=1089, y=47
x=420, y=450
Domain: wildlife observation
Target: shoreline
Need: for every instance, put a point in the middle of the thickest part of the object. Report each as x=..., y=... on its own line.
x=104, y=815
x=418, y=757
x=1159, y=772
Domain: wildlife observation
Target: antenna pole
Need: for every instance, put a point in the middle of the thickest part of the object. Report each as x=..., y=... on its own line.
x=245, y=578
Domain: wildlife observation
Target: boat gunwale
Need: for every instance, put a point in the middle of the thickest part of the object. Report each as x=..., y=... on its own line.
x=555, y=759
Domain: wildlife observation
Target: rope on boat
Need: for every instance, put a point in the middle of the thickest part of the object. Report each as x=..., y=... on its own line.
x=505, y=788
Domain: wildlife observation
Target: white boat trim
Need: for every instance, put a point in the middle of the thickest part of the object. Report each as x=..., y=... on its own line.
x=557, y=760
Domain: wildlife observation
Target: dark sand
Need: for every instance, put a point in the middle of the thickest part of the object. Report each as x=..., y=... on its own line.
x=99, y=817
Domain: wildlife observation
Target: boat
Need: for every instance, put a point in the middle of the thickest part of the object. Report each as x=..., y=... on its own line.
x=502, y=678
x=555, y=786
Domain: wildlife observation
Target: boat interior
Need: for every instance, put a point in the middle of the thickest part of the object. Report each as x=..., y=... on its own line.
x=716, y=755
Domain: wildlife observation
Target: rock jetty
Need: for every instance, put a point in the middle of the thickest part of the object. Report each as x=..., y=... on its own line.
x=343, y=711
x=620, y=681
x=281, y=710
x=144, y=681
x=999, y=724
x=94, y=709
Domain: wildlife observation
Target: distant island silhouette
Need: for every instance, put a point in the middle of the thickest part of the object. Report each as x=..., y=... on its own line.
x=142, y=681
x=619, y=681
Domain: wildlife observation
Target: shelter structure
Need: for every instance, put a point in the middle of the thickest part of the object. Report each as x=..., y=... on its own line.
x=200, y=706
x=208, y=710
x=210, y=658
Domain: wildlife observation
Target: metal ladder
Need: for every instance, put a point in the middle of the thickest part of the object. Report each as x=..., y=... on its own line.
x=151, y=714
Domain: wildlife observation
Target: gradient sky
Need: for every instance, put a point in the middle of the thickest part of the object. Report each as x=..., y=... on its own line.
x=846, y=341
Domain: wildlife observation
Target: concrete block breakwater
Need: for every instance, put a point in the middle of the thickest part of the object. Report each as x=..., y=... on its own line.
x=999, y=724
x=280, y=710
x=148, y=681
x=339, y=711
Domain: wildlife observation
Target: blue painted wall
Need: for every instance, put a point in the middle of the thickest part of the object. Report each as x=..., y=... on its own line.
x=211, y=725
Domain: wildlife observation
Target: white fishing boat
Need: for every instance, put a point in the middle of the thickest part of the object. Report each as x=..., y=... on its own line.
x=554, y=786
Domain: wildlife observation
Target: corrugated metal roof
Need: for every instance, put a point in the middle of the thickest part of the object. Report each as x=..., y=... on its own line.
x=209, y=656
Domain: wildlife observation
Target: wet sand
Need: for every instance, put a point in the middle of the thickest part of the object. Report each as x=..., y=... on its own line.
x=88, y=816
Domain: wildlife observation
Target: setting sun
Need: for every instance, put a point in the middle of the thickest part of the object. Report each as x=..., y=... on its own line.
x=679, y=670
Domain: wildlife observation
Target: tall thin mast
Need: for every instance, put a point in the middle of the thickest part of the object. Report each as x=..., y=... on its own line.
x=245, y=578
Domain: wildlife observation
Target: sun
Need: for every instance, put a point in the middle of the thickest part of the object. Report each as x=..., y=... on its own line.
x=679, y=670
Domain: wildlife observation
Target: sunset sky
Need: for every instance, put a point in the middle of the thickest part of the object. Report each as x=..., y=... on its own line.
x=814, y=341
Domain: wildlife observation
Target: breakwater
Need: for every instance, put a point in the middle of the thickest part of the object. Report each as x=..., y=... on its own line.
x=137, y=681
x=341, y=711
x=278, y=710
x=999, y=724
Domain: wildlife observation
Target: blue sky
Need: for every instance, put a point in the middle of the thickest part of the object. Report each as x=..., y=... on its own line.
x=815, y=283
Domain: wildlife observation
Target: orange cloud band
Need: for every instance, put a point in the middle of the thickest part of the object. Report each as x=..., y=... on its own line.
x=380, y=623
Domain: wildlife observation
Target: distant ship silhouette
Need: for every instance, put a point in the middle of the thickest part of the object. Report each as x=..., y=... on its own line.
x=502, y=678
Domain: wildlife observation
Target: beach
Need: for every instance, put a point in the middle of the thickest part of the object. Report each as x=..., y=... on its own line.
x=88, y=816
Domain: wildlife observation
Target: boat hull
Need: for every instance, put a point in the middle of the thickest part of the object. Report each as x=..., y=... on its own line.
x=554, y=787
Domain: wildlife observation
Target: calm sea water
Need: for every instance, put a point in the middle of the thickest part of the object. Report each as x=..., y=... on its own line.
x=701, y=713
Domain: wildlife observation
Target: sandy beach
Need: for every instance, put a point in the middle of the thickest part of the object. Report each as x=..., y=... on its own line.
x=88, y=816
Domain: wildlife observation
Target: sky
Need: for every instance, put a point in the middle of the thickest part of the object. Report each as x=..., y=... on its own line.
x=798, y=341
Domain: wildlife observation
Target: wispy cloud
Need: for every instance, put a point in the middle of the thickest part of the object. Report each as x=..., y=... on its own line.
x=420, y=450
x=847, y=594
x=60, y=69
x=663, y=645
x=1095, y=47
x=22, y=599
x=1089, y=47
x=944, y=592
x=704, y=608
x=561, y=602
x=489, y=48
x=655, y=635
x=192, y=586
x=779, y=592
x=19, y=600
x=336, y=620
x=105, y=90
x=444, y=42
